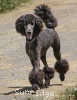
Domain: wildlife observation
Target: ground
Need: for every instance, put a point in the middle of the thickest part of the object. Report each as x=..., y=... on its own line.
x=15, y=64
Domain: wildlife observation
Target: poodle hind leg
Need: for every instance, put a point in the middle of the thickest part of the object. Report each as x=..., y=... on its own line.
x=48, y=72
x=61, y=65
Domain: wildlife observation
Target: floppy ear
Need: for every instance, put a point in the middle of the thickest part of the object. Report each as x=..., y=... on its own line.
x=19, y=25
x=38, y=25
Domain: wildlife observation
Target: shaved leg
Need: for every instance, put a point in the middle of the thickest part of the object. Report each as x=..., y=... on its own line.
x=48, y=72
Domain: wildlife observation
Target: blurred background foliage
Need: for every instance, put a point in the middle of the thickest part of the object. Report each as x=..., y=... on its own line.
x=7, y=5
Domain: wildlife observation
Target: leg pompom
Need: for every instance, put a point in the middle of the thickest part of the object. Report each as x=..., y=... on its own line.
x=62, y=68
x=49, y=74
x=36, y=79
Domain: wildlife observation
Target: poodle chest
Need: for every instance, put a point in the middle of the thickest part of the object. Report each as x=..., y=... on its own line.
x=29, y=50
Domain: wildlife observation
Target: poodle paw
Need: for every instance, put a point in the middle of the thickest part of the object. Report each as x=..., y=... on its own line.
x=47, y=83
x=62, y=68
x=36, y=79
x=35, y=87
x=62, y=76
x=48, y=74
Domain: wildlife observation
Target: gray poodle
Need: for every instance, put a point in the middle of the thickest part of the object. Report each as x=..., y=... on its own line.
x=38, y=41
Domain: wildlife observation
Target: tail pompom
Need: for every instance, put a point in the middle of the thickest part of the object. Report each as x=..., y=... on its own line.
x=47, y=16
x=62, y=68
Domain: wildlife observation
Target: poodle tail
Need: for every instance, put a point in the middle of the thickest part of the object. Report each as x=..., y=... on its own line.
x=44, y=12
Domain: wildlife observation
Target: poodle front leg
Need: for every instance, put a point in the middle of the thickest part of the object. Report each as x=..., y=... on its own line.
x=36, y=76
x=48, y=72
x=37, y=63
x=43, y=59
x=32, y=62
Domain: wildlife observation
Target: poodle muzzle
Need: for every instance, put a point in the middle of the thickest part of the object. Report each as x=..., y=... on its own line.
x=29, y=28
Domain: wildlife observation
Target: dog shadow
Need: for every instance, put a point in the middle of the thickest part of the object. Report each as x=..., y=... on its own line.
x=27, y=89
x=55, y=84
x=20, y=90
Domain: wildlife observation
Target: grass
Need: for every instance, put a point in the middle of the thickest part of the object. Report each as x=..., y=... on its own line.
x=7, y=5
x=69, y=94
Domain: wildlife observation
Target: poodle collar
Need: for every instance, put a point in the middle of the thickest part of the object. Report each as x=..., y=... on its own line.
x=31, y=41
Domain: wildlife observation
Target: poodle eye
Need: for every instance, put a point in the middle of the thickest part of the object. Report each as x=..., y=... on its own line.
x=32, y=23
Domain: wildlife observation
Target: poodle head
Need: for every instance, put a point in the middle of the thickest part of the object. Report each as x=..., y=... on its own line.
x=29, y=25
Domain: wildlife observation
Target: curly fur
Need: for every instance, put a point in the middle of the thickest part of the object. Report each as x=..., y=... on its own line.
x=19, y=25
x=41, y=40
x=62, y=68
x=36, y=79
x=46, y=14
x=49, y=71
x=49, y=74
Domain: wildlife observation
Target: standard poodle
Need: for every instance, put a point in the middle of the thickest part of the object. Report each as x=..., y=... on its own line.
x=38, y=41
